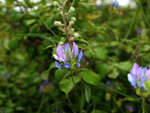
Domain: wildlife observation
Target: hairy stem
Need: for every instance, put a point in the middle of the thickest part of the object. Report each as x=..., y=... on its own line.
x=64, y=20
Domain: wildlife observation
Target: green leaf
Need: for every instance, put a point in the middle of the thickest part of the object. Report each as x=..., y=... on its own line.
x=100, y=53
x=87, y=93
x=88, y=53
x=9, y=2
x=61, y=74
x=103, y=69
x=50, y=46
x=29, y=22
x=49, y=20
x=84, y=41
x=66, y=85
x=114, y=74
x=75, y=2
x=13, y=44
x=44, y=75
x=90, y=77
x=52, y=65
x=126, y=66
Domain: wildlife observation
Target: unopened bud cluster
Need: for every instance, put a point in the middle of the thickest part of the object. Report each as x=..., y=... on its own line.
x=72, y=9
x=55, y=3
x=66, y=26
x=58, y=23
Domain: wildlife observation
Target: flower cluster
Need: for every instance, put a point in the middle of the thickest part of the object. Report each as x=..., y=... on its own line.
x=108, y=83
x=46, y=86
x=115, y=3
x=130, y=108
x=138, y=76
x=6, y=75
x=67, y=57
x=138, y=31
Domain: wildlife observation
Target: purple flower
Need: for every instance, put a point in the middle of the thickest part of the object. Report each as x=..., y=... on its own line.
x=44, y=83
x=138, y=74
x=5, y=75
x=60, y=54
x=75, y=49
x=138, y=31
x=68, y=57
x=58, y=65
x=115, y=3
x=130, y=108
x=108, y=83
x=132, y=76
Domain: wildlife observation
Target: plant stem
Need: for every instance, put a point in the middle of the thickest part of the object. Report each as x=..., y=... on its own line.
x=64, y=19
x=72, y=78
x=143, y=105
x=146, y=20
x=41, y=104
x=131, y=25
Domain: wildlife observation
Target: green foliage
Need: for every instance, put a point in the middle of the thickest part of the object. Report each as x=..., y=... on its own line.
x=66, y=85
x=110, y=43
x=90, y=77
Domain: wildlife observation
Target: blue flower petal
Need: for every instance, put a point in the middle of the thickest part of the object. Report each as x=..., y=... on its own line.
x=67, y=65
x=78, y=64
x=132, y=80
x=80, y=56
x=45, y=82
x=115, y=3
x=142, y=82
x=75, y=49
x=58, y=65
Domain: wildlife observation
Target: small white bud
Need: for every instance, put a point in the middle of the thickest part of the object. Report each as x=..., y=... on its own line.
x=57, y=23
x=55, y=3
x=72, y=9
x=72, y=29
x=76, y=35
x=73, y=19
x=71, y=22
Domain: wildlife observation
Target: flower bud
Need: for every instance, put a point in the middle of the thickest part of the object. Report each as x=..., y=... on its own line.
x=72, y=9
x=72, y=29
x=73, y=19
x=71, y=22
x=57, y=23
x=55, y=3
x=76, y=35
x=107, y=96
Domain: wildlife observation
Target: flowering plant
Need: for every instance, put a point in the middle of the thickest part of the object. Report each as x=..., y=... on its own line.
x=67, y=57
x=139, y=78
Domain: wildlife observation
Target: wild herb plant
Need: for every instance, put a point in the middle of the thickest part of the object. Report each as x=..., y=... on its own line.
x=74, y=56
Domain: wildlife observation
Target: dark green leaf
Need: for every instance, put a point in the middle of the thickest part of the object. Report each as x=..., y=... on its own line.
x=66, y=85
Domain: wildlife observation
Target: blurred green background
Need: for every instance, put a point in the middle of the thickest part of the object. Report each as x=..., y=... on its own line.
x=112, y=39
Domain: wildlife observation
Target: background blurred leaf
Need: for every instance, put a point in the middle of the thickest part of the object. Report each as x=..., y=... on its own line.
x=13, y=43
x=29, y=22
x=87, y=93
x=114, y=74
x=126, y=66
